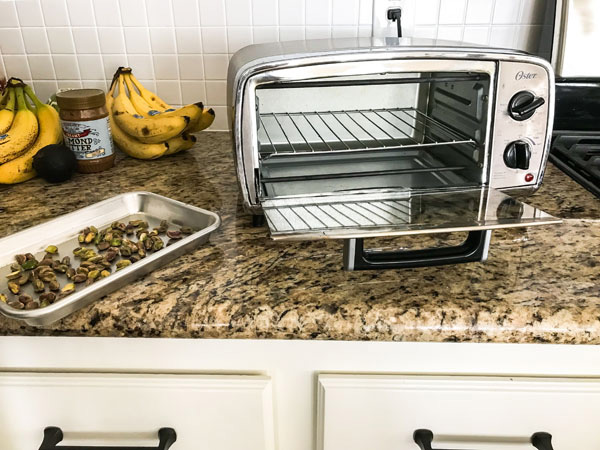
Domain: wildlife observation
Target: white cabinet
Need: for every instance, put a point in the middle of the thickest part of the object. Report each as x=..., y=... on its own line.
x=224, y=412
x=357, y=412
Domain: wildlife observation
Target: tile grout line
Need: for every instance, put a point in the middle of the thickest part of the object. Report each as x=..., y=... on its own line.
x=126, y=54
x=99, y=44
x=70, y=27
x=174, y=35
x=14, y=4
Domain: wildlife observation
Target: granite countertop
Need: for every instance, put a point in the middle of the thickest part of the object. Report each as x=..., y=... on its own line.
x=540, y=284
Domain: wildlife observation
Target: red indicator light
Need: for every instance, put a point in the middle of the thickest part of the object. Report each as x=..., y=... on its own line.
x=529, y=177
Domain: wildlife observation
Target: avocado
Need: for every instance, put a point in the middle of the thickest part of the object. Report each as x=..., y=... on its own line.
x=55, y=163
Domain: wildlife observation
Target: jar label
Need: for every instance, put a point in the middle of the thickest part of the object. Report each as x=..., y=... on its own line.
x=90, y=139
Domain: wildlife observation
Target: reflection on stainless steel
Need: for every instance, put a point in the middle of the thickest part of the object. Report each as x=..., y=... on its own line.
x=63, y=232
x=394, y=214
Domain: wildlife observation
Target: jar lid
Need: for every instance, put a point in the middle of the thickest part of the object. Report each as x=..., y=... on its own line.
x=81, y=99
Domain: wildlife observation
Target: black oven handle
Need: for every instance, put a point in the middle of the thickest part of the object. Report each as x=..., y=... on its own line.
x=53, y=435
x=424, y=438
x=473, y=249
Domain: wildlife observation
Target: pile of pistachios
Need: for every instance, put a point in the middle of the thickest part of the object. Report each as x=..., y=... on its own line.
x=99, y=250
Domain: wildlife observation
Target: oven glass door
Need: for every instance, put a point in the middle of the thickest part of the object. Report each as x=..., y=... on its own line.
x=398, y=213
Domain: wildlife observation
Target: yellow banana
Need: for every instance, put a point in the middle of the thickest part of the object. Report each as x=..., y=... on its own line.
x=21, y=169
x=206, y=120
x=151, y=98
x=122, y=101
x=126, y=143
x=140, y=105
x=22, y=133
x=150, y=130
x=180, y=143
x=193, y=111
x=7, y=114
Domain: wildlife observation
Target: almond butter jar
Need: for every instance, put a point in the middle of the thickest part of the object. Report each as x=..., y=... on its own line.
x=84, y=120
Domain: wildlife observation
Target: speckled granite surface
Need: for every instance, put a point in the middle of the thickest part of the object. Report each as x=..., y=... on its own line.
x=539, y=285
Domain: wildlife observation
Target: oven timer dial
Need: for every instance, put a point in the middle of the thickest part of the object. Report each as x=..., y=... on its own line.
x=517, y=155
x=523, y=105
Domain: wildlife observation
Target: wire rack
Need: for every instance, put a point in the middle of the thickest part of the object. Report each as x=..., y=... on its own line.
x=337, y=215
x=283, y=134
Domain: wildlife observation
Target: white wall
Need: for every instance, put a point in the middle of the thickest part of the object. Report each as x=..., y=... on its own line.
x=181, y=48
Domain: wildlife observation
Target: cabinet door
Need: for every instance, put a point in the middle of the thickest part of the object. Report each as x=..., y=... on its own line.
x=223, y=412
x=359, y=412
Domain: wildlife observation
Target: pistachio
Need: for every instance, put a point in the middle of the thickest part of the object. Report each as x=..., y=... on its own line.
x=81, y=238
x=129, y=230
x=173, y=234
x=83, y=270
x=54, y=285
x=153, y=232
x=16, y=305
x=89, y=237
x=29, y=256
x=70, y=273
x=62, y=268
x=126, y=251
x=44, y=262
x=104, y=273
x=157, y=243
x=138, y=223
x=14, y=287
x=105, y=264
x=24, y=298
x=3, y=298
x=115, y=242
x=29, y=264
x=14, y=275
x=38, y=286
x=141, y=250
x=50, y=297
x=186, y=230
x=103, y=246
x=48, y=277
x=98, y=239
x=123, y=263
x=68, y=289
x=20, y=259
x=15, y=266
x=52, y=249
x=79, y=278
x=93, y=274
x=96, y=259
x=143, y=236
x=31, y=305
x=44, y=303
x=135, y=258
x=25, y=278
x=110, y=255
x=89, y=254
x=93, y=229
x=66, y=261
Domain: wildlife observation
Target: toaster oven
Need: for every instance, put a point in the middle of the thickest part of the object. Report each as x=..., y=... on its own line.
x=356, y=138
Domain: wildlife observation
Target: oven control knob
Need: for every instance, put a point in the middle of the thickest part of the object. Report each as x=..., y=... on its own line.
x=523, y=105
x=517, y=155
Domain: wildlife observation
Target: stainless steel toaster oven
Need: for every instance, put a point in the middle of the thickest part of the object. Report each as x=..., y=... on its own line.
x=356, y=138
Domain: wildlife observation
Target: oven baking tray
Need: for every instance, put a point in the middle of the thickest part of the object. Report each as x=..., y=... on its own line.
x=63, y=231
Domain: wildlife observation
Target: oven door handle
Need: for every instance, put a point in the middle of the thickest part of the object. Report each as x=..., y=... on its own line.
x=53, y=435
x=424, y=438
x=474, y=248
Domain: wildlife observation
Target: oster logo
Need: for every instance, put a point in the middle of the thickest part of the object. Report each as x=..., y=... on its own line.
x=521, y=75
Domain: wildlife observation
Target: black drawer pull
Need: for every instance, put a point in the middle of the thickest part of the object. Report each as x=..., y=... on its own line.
x=53, y=435
x=424, y=438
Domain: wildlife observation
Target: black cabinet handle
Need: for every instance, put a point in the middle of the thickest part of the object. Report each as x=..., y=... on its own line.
x=53, y=435
x=424, y=438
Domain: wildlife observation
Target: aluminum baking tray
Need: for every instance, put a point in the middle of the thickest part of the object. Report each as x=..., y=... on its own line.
x=63, y=232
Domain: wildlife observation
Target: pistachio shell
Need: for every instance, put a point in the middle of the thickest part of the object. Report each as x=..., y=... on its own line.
x=16, y=305
x=54, y=285
x=24, y=298
x=31, y=305
x=20, y=259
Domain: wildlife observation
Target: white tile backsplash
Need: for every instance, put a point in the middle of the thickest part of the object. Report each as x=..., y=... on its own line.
x=181, y=48
x=29, y=13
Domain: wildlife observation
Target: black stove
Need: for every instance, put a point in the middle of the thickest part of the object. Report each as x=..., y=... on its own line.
x=576, y=141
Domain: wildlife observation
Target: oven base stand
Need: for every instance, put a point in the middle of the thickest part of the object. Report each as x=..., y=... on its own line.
x=474, y=248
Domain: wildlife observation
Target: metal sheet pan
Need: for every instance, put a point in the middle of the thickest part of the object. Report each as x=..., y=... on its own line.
x=63, y=232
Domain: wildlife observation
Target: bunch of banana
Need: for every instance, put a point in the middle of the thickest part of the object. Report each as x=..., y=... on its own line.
x=146, y=127
x=24, y=130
